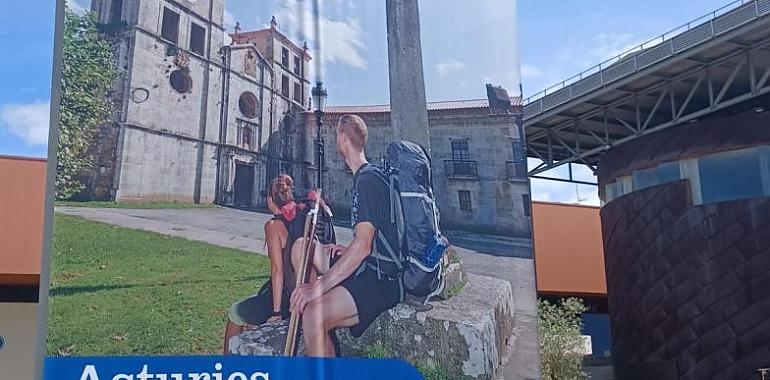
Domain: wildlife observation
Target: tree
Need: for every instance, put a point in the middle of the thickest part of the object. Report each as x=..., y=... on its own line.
x=88, y=71
x=559, y=328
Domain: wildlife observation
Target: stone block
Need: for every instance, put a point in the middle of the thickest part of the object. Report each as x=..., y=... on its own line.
x=268, y=339
x=466, y=334
x=454, y=274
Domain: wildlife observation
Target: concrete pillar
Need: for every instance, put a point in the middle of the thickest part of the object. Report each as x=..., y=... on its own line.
x=409, y=116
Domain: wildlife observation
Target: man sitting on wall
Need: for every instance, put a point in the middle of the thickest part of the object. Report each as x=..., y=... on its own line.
x=356, y=288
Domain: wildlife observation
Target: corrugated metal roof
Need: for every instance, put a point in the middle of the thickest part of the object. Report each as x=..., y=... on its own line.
x=432, y=106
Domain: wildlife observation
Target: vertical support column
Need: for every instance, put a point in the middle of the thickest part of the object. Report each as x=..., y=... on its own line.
x=408, y=110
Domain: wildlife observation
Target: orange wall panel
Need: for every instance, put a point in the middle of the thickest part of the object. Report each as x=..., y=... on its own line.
x=569, y=254
x=22, y=200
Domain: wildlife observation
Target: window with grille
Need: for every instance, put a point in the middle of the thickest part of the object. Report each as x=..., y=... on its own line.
x=518, y=152
x=170, y=26
x=518, y=167
x=465, y=200
x=460, y=150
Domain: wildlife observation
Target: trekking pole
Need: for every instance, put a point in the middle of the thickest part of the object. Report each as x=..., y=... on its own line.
x=302, y=276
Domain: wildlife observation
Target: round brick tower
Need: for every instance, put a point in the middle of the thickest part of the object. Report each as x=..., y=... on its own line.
x=686, y=226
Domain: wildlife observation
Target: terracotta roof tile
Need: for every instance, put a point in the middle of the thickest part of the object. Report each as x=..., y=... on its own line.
x=432, y=106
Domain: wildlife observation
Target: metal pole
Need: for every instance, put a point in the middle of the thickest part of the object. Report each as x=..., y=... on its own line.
x=319, y=147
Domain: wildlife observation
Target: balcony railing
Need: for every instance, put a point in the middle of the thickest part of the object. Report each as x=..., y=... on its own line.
x=461, y=169
x=517, y=170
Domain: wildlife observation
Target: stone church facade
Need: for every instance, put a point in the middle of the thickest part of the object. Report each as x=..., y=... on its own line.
x=195, y=120
x=200, y=121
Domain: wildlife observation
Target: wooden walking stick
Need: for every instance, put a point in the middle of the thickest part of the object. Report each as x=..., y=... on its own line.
x=302, y=275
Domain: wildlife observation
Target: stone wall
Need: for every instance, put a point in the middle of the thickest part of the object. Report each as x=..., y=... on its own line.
x=165, y=138
x=498, y=202
x=687, y=286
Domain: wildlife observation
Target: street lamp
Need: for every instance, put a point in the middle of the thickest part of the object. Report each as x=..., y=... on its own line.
x=319, y=100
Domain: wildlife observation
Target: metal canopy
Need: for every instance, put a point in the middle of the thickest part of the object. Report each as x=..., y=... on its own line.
x=715, y=62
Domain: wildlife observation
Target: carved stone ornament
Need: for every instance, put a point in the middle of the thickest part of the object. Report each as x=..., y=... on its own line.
x=182, y=59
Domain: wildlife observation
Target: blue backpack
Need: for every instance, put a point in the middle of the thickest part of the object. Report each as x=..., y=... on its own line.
x=417, y=260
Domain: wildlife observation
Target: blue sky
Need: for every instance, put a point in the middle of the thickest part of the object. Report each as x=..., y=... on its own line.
x=465, y=44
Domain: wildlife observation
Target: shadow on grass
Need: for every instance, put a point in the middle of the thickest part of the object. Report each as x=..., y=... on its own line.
x=72, y=290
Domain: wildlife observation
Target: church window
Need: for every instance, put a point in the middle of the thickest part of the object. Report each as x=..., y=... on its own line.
x=170, y=26
x=465, y=200
x=116, y=11
x=181, y=81
x=297, y=93
x=285, y=86
x=248, y=104
x=285, y=57
x=197, y=39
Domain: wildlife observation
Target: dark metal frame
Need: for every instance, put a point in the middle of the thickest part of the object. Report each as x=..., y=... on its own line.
x=670, y=101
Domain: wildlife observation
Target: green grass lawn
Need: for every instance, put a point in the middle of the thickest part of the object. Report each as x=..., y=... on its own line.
x=146, y=205
x=122, y=291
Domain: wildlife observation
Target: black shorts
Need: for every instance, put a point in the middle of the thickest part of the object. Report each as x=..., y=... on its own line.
x=256, y=309
x=372, y=297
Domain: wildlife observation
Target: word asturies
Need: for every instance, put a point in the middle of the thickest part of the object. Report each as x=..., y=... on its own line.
x=90, y=372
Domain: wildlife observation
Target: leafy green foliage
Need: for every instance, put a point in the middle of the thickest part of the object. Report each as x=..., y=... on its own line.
x=433, y=372
x=559, y=334
x=88, y=71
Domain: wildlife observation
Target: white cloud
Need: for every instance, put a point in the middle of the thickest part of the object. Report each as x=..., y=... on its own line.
x=609, y=45
x=27, y=121
x=530, y=71
x=229, y=24
x=77, y=7
x=341, y=41
x=563, y=192
x=452, y=66
x=229, y=20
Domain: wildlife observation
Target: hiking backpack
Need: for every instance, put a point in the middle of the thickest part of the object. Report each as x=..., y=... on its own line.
x=413, y=209
x=324, y=232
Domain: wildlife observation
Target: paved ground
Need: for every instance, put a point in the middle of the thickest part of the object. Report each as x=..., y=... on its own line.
x=499, y=257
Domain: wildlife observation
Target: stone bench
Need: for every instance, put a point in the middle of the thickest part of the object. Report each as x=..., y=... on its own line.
x=466, y=334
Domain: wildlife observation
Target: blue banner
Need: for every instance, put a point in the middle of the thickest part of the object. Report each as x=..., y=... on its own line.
x=224, y=368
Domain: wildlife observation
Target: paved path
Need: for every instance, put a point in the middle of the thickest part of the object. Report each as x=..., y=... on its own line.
x=504, y=258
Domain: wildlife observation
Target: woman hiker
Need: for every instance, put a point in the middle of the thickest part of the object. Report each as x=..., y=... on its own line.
x=271, y=303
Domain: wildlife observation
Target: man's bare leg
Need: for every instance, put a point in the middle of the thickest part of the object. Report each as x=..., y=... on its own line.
x=334, y=309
